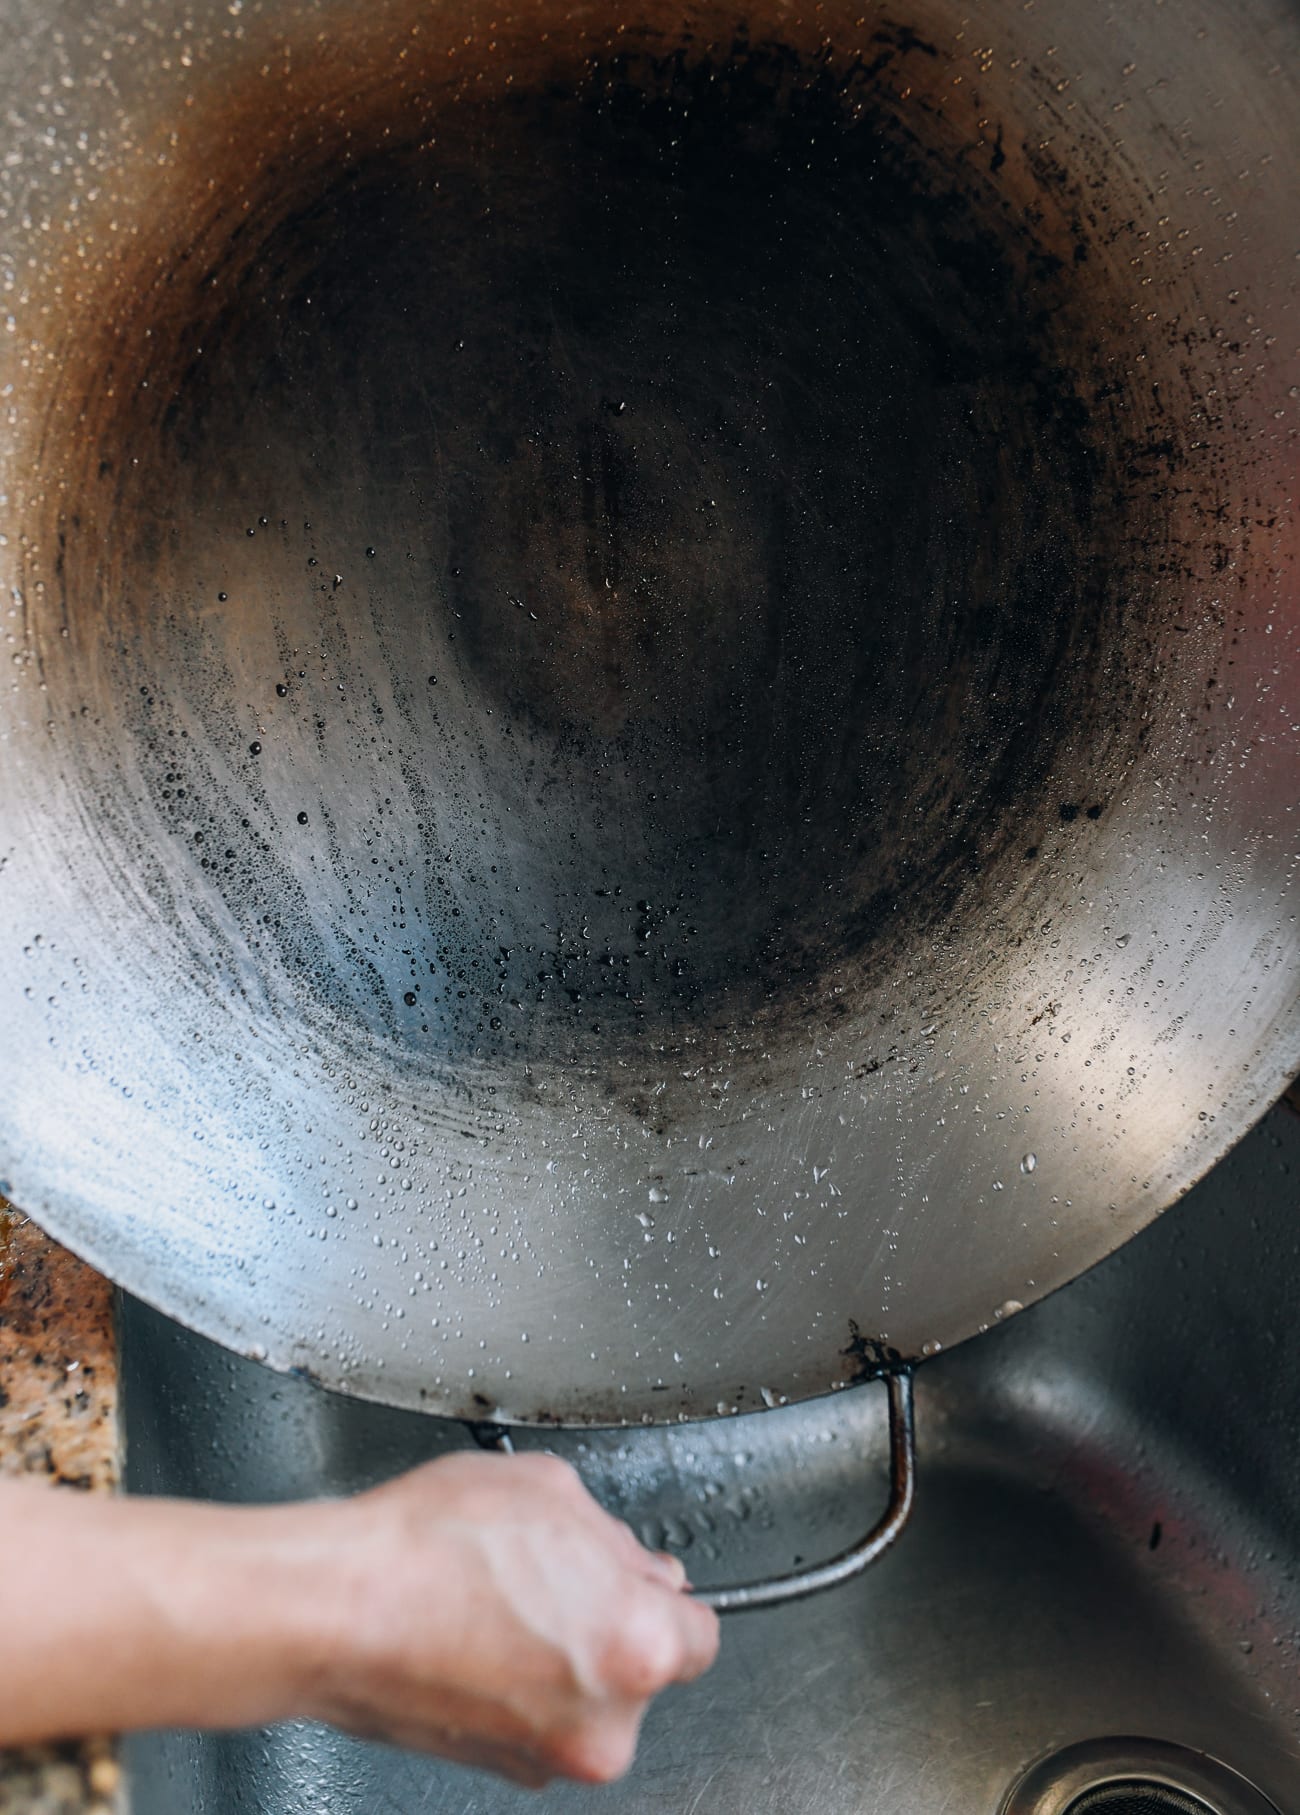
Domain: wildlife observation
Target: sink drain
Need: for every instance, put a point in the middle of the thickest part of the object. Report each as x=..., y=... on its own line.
x=1133, y=1777
x=1135, y=1798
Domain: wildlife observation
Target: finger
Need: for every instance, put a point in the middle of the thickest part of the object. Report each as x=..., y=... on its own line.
x=700, y=1635
x=662, y=1567
x=658, y=1566
x=603, y=1751
x=627, y=1545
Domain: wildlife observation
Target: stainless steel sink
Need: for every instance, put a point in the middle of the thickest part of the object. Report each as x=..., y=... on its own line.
x=1105, y=1546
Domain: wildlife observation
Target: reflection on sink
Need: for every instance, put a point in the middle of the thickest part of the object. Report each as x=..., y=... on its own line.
x=1106, y=1543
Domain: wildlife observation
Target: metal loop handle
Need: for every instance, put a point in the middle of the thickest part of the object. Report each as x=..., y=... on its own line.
x=801, y=1583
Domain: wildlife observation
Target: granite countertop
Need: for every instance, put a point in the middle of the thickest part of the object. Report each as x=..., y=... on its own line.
x=58, y=1420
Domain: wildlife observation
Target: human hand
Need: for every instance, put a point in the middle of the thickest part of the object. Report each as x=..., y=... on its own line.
x=487, y=1609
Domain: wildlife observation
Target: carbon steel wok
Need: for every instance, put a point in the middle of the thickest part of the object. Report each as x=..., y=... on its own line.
x=650, y=757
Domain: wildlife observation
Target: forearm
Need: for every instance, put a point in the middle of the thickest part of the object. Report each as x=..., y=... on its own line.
x=151, y=1613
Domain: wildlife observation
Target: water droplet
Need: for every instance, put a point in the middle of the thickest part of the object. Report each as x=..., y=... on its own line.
x=1008, y=1308
x=302, y=819
x=1029, y=1163
x=1123, y=940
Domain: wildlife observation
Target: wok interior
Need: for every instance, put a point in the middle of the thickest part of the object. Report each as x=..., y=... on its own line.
x=780, y=854
x=610, y=561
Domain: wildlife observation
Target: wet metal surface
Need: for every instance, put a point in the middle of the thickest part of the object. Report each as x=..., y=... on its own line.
x=650, y=688
x=1134, y=1777
x=833, y=1572
x=1105, y=1544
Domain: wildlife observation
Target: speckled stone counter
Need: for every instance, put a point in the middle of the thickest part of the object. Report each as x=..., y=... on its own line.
x=58, y=1419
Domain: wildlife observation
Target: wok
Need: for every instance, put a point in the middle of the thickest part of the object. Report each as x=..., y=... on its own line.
x=649, y=764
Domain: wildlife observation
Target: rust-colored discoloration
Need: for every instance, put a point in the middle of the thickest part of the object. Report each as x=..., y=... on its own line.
x=58, y=1420
x=868, y=1356
x=6, y=1250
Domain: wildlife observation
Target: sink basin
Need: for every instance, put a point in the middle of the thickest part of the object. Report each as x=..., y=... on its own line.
x=1105, y=1545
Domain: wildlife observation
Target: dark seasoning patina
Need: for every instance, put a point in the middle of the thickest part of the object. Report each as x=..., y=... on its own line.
x=721, y=807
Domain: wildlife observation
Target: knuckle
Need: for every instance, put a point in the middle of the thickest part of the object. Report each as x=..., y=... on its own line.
x=644, y=1655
